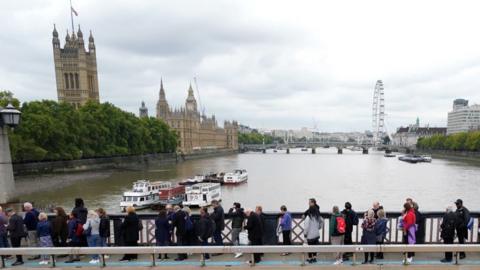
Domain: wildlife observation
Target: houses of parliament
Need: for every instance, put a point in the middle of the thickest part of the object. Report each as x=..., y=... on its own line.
x=77, y=83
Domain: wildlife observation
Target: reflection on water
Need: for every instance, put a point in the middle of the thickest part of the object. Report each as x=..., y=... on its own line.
x=278, y=178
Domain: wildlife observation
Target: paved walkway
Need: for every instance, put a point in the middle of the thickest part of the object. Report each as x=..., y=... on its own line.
x=293, y=261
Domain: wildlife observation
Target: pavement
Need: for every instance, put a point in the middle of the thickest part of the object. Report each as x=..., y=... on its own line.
x=292, y=261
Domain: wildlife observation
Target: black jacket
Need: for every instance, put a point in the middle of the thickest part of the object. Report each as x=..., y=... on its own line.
x=179, y=223
x=420, y=232
x=351, y=219
x=80, y=211
x=204, y=227
x=254, y=227
x=218, y=216
x=15, y=227
x=130, y=228
x=238, y=216
x=448, y=226
x=104, y=229
x=60, y=228
x=463, y=216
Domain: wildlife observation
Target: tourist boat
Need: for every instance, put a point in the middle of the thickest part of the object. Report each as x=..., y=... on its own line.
x=199, y=178
x=426, y=158
x=143, y=194
x=411, y=158
x=275, y=150
x=171, y=195
x=236, y=177
x=200, y=195
x=304, y=149
x=389, y=155
x=214, y=178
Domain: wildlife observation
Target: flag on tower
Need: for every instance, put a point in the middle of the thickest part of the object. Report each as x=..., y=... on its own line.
x=74, y=11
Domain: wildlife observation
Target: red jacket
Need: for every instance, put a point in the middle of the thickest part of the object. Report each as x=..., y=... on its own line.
x=409, y=219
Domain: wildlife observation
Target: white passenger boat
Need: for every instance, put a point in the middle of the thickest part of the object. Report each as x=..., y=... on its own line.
x=236, y=177
x=199, y=178
x=202, y=194
x=143, y=194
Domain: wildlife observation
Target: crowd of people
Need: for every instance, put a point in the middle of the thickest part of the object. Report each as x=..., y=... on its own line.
x=91, y=228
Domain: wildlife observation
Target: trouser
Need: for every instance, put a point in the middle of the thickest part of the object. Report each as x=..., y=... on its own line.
x=217, y=237
x=405, y=241
x=205, y=244
x=257, y=257
x=312, y=242
x=162, y=243
x=182, y=241
x=59, y=242
x=32, y=239
x=130, y=256
x=372, y=256
x=337, y=240
x=235, y=236
x=287, y=239
x=94, y=241
x=4, y=241
x=462, y=235
x=46, y=241
x=16, y=241
x=74, y=256
x=448, y=255
x=347, y=241
x=380, y=254
x=103, y=241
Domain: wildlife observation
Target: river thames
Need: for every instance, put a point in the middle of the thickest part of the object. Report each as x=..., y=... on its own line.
x=278, y=178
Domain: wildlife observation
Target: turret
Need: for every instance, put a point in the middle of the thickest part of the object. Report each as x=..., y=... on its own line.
x=80, y=36
x=191, y=103
x=55, y=40
x=91, y=43
x=67, y=38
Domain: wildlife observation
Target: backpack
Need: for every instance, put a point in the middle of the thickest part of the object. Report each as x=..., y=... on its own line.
x=79, y=229
x=448, y=230
x=341, y=225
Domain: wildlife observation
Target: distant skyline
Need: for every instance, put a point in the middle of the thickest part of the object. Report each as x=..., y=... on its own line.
x=267, y=64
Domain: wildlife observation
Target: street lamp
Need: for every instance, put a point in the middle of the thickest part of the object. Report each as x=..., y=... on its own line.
x=9, y=117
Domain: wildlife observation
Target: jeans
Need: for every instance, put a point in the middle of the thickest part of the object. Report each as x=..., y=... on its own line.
x=217, y=237
x=103, y=241
x=235, y=236
x=32, y=239
x=205, y=244
x=4, y=241
x=94, y=241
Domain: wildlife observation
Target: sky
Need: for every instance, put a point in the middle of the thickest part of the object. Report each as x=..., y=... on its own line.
x=267, y=64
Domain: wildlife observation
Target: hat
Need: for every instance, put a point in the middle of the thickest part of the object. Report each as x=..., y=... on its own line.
x=459, y=201
x=8, y=210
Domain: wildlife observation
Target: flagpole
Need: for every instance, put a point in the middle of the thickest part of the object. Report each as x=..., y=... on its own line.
x=71, y=17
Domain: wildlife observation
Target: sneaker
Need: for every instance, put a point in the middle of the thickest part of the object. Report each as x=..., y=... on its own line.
x=285, y=254
x=93, y=261
x=106, y=257
x=42, y=262
x=17, y=263
x=238, y=255
x=409, y=260
x=445, y=261
x=338, y=262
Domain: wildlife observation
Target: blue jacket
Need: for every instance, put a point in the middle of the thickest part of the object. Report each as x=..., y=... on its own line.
x=72, y=228
x=31, y=219
x=162, y=230
x=44, y=228
x=381, y=228
x=286, y=222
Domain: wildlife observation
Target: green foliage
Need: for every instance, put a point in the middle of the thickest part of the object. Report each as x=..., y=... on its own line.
x=56, y=131
x=464, y=141
x=257, y=138
x=7, y=97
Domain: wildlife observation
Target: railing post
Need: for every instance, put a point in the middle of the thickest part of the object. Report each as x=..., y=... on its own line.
x=3, y=261
x=354, y=258
x=53, y=261
x=457, y=255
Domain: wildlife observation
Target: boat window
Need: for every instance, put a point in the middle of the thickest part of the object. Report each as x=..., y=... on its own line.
x=142, y=199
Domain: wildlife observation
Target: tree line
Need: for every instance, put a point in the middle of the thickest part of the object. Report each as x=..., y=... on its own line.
x=50, y=130
x=464, y=141
x=257, y=138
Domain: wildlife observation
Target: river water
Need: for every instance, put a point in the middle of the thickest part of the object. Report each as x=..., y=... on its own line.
x=278, y=178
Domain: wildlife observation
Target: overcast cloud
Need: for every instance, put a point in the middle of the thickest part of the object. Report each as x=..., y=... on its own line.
x=267, y=64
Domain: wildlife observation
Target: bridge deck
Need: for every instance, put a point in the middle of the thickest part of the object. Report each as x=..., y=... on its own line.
x=293, y=261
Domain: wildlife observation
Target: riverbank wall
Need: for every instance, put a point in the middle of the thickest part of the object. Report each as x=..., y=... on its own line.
x=457, y=155
x=118, y=162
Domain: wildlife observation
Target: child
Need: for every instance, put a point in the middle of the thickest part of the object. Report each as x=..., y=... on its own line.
x=44, y=232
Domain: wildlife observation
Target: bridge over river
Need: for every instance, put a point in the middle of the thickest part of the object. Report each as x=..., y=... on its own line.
x=363, y=146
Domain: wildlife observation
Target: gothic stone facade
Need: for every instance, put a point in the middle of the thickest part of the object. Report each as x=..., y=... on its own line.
x=75, y=69
x=196, y=132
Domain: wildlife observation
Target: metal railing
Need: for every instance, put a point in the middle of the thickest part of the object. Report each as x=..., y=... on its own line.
x=432, y=229
x=299, y=250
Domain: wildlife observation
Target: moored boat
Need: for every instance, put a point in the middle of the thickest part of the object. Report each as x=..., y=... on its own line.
x=172, y=195
x=214, y=178
x=389, y=155
x=235, y=177
x=202, y=194
x=199, y=178
x=411, y=158
x=143, y=194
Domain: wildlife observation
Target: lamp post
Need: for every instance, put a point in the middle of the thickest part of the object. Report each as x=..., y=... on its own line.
x=9, y=117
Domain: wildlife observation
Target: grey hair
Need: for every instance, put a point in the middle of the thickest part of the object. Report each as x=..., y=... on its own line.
x=27, y=205
x=449, y=209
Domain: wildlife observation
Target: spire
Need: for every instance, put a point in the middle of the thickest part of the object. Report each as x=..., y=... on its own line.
x=55, y=33
x=90, y=38
x=55, y=40
x=91, y=43
x=79, y=33
x=190, y=91
x=67, y=37
x=162, y=91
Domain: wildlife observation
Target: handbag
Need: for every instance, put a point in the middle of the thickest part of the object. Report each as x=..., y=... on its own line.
x=243, y=238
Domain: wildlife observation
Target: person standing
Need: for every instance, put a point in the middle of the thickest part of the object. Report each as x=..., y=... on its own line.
x=162, y=232
x=286, y=227
x=130, y=229
x=463, y=217
x=44, y=232
x=375, y=207
x=219, y=217
x=60, y=229
x=179, y=222
x=75, y=229
x=104, y=229
x=91, y=229
x=255, y=232
x=3, y=231
x=312, y=225
x=204, y=229
x=81, y=213
x=30, y=220
x=420, y=222
x=337, y=231
x=261, y=216
x=409, y=229
x=368, y=236
x=16, y=230
x=448, y=226
x=351, y=219
x=237, y=215
x=381, y=230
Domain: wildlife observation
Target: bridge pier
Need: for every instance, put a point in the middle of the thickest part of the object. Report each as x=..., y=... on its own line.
x=288, y=150
x=365, y=151
x=264, y=151
x=339, y=150
x=313, y=150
